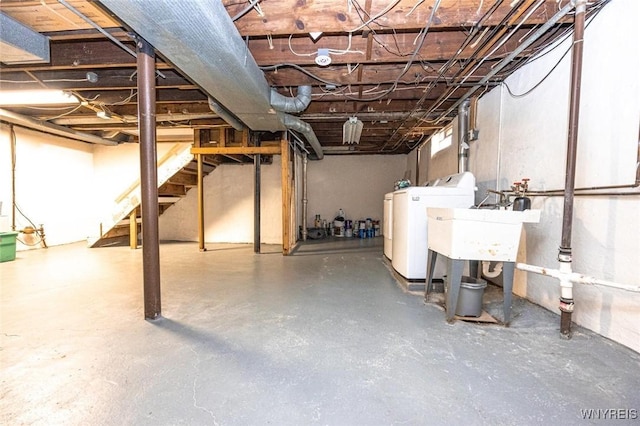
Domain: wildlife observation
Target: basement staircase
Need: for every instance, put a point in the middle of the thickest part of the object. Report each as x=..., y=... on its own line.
x=177, y=173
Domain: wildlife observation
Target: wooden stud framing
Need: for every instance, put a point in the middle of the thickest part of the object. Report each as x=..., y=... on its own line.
x=249, y=150
x=286, y=190
x=133, y=230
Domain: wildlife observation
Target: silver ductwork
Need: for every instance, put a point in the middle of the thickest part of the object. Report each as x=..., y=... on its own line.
x=225, y=115
x=298, y=103
x=463, y=136
x=53, y=129
x=294, y=123
x=292, y=104
x=200, y=39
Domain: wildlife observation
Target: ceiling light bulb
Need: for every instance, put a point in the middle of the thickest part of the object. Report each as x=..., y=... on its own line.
x=36, y=97
x=323, y=59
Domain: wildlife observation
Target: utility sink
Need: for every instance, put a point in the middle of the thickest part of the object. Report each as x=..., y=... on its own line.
x=477, y=234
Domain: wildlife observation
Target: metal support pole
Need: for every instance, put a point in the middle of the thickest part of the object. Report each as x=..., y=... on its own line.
x=148, y=178
x=305, y=200
x=564, y=253
x=256, y=199
x=201, y=245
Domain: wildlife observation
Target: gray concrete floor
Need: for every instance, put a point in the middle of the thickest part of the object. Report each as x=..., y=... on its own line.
x=325, y=336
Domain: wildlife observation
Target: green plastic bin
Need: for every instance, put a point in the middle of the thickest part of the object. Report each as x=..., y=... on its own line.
x=7, y=246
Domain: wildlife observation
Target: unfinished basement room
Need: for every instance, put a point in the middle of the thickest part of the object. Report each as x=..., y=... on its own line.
x=319, y=212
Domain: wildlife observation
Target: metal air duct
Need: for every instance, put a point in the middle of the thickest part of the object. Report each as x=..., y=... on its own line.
x=300, y=102
x=463, y=136
x=294, y=123
x=225, y=115
x=199, y=38
x=292, y=104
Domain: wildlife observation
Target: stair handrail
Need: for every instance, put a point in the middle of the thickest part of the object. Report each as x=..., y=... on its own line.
x=169, y=164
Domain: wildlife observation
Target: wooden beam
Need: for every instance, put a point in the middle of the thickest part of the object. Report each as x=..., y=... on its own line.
x=381, y=48
x=249, y=150
x=133, y=230
x=301, y=17
x=286, y=189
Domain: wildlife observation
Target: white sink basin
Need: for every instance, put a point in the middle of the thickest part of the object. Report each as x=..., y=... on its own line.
x=477, y=234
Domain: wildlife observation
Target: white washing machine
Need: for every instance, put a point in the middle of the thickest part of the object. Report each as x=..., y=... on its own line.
x=387, y=224
x=409, y=212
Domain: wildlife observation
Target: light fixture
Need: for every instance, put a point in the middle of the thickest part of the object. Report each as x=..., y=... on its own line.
x=323, y=59
x=36, y=97
x=351, y=131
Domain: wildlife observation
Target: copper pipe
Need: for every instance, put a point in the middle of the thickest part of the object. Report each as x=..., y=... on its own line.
x=148, y=178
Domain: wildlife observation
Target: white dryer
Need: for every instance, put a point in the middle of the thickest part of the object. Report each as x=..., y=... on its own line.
x=409, y=212
x=387, y=224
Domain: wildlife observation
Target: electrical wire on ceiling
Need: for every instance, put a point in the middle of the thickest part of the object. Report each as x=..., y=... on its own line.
x=444, y=69
x=64, y=114
x=253, y=4
x=380, y=14
x=132, y=94
x=558, y=62
x=409, y=62
x=360, y=11
x=301, y=69
x=331, y=51
x=502, y=41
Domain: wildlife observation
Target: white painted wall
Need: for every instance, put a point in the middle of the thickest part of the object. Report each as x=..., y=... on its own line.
x=53, y=183
x=228, y=198
x=355, y=183
x=116, y=169
x=527, y=137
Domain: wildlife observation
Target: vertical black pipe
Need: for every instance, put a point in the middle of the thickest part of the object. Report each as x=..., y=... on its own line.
x=256, y=198
x=148, y=178
x=564, y=253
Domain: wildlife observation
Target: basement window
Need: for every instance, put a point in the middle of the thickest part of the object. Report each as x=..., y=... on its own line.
x=441, y=140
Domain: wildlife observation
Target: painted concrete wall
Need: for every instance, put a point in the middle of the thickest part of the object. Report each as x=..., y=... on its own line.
x=356, y=184
x=53, y=183
x=64, y=184
x=527, y=137
x=228, y=195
